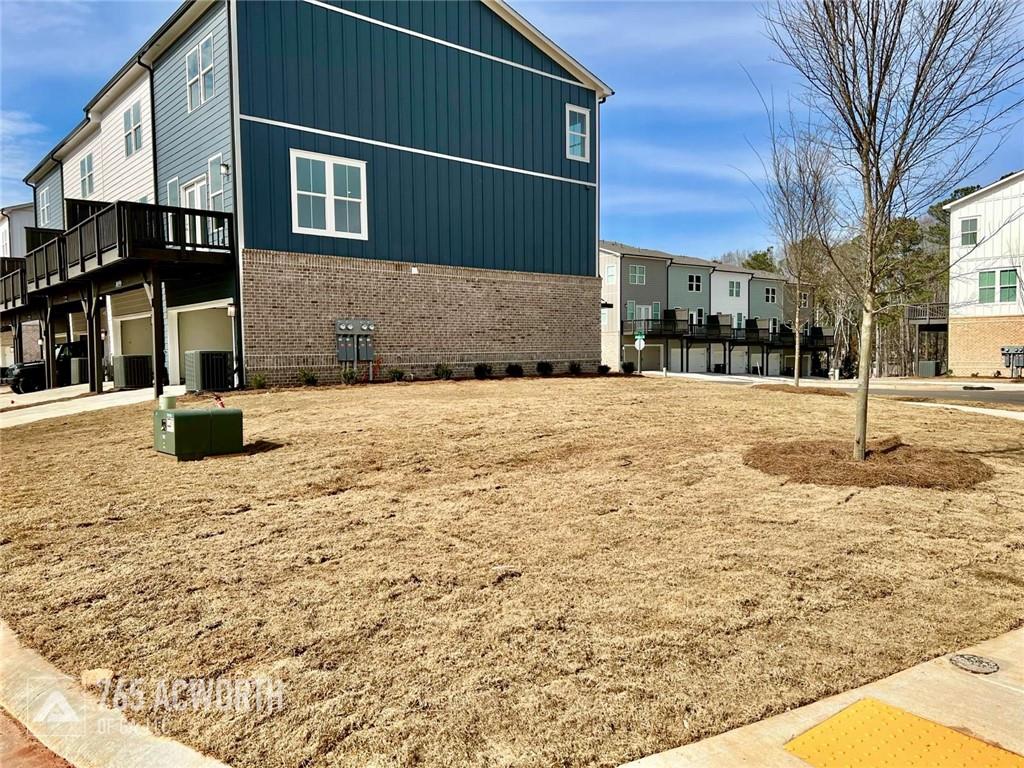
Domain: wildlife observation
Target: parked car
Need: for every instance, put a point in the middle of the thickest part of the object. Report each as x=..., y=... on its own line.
x=31, y=377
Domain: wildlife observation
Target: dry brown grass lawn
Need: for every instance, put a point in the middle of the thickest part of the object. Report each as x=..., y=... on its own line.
x=803, y=389
x=503, y=573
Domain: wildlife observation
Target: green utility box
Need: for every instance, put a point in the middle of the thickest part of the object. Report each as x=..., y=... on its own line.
x=192, y=433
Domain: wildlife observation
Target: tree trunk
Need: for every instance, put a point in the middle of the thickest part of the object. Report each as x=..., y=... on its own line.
x=796, y=337
x=864, y=378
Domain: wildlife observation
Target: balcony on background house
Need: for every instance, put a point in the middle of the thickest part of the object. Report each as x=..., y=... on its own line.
x=104, y=235
x=812, y=339
x=936, y=314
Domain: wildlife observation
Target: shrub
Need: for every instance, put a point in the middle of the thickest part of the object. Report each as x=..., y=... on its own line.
x=349, y=376
x=257, y=381
x=395, y=374
x=603, y=370
x=515, y=370
x=482, y=371
x=544, y=368
x=443, y=371
x=628, y=367
x=575, y=368
x=307, y=378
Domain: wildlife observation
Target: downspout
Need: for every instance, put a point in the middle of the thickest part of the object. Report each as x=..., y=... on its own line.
x=35, y=208
x=152, y=126
x=236, y=195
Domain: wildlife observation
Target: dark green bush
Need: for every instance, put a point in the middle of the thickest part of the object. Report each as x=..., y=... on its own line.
x=515, y=370
x=350, y=376
x=257, y=381
x=575, y=368
x=443, y=371
x=628, y=367
x=395, y=374
x=603, y=370
x=482, y=371
x=307, y=378
x=544, y=368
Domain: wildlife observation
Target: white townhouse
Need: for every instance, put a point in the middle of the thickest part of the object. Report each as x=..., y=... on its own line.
x=986, y=265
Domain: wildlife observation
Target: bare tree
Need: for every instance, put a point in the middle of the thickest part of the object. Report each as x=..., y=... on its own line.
x=799, y=200
x=905, y=91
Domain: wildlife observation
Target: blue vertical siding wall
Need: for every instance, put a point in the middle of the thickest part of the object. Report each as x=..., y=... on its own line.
x=186, y=141
x=52, y=182
x=310, y=67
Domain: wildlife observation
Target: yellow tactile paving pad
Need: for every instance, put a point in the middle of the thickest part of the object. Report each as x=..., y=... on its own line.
x=870, y=734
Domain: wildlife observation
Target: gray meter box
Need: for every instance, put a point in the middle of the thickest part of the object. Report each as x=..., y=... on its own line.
x=354, y=339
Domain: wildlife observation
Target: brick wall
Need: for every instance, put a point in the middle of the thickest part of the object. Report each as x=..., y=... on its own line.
x=455, y=315
x=974, y=343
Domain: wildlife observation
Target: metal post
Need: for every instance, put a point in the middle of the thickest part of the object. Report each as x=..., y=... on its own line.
x=157, y=303
x=49, y=363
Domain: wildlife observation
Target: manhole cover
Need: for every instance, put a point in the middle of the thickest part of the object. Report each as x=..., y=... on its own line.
x=975, y=664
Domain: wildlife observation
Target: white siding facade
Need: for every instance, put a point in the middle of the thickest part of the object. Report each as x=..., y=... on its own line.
x=72, y=169
x=127, y=177
x=721, y=301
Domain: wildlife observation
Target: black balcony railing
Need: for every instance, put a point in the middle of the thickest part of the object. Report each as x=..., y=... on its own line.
x=12, y=289
x=813, y=337
x=935, y=312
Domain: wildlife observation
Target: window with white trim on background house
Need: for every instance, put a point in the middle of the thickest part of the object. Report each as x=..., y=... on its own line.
x=738, y=323
x=132, y=120
x=969, y=231
x=805, y=299
x=1008, y=285
x=986, y=287
x=693, y=283
x=199, y=73
x=85, y=174
x=697, y=316
x=637, y=274
x=734, y=288
x=610, y=274
x=769, y=295
x=44, y=207
x=773, y=325
x=172, y=192
x=604, y=317
x=630, y=310
x=577, y=133
x=329, y=195
x=216, y=177
x=656, y=310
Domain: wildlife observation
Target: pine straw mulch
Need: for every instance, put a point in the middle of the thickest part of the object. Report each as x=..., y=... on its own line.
x=889, y=461
x=801, y=390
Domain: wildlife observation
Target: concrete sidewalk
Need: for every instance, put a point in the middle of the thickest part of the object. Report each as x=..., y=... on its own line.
x=987, y=707
x=71, y=404
x=938, y=384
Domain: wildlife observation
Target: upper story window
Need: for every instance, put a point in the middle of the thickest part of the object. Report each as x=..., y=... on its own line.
x=216, y=177
x=986, y=287
x=734, y=288
x=805, y=300
x=133, y=129
x=656, y=310
x=968, y=231
x=739, y=320
x=610, y=274
x=199, y=73
x=773, y=325
x=44, y=207
x=637, y=274
x=85, y=174
x=769, y=295
x=328, y=196
x=577, y=133
x=693, y=283
x=1008, y=285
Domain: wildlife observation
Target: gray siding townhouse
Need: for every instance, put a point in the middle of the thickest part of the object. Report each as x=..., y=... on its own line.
x=259, y=171
x=698, y=315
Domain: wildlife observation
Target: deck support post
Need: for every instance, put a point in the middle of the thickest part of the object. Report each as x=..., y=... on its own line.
x=92, y=316
x=157, y=303
x=49, y=364
x=726, y=347
x=16, y=338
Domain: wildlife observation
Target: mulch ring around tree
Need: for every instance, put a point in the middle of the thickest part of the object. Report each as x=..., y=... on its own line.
x=801, y=390
x=889, y=461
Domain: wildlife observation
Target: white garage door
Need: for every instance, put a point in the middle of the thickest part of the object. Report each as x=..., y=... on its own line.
x=207, y=329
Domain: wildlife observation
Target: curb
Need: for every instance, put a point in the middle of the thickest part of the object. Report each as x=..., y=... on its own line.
x=57, y=712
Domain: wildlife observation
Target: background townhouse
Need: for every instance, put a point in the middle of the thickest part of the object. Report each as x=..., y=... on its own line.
x=986, y=261
x=258, y=171
x=14, y=220
x=700, y=315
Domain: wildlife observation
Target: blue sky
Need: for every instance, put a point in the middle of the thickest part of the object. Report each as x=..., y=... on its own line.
x=678, y=137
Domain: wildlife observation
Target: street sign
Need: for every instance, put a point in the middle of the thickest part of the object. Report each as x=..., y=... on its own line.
x=640, y=344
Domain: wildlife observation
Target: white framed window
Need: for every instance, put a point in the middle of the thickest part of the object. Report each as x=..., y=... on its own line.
x=656, y=310
x=329, y=195
x=637, y=274
x=773, y=325
x=213, y=173
x=85, y=174
x=630, y=310
x=1008, y=285
x=604, y=317
x=199, y=73
x=172, y=192
x=805, y=299
x=610, y=274
x=739, y=320
x=769, y=295
x=969, y=231
x=693, y=283
x=644, y=311
x=577, y=133
x=697, y=316
x=132, y=120
x=734, y=288
x=44, y=207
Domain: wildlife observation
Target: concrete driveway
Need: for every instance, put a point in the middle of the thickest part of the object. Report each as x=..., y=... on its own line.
x=67, y=401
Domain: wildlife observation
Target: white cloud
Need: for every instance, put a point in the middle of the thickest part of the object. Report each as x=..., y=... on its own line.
x=22, y=144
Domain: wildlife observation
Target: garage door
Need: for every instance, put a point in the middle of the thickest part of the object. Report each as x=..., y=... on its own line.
x=208, y=329
x=698, y=360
